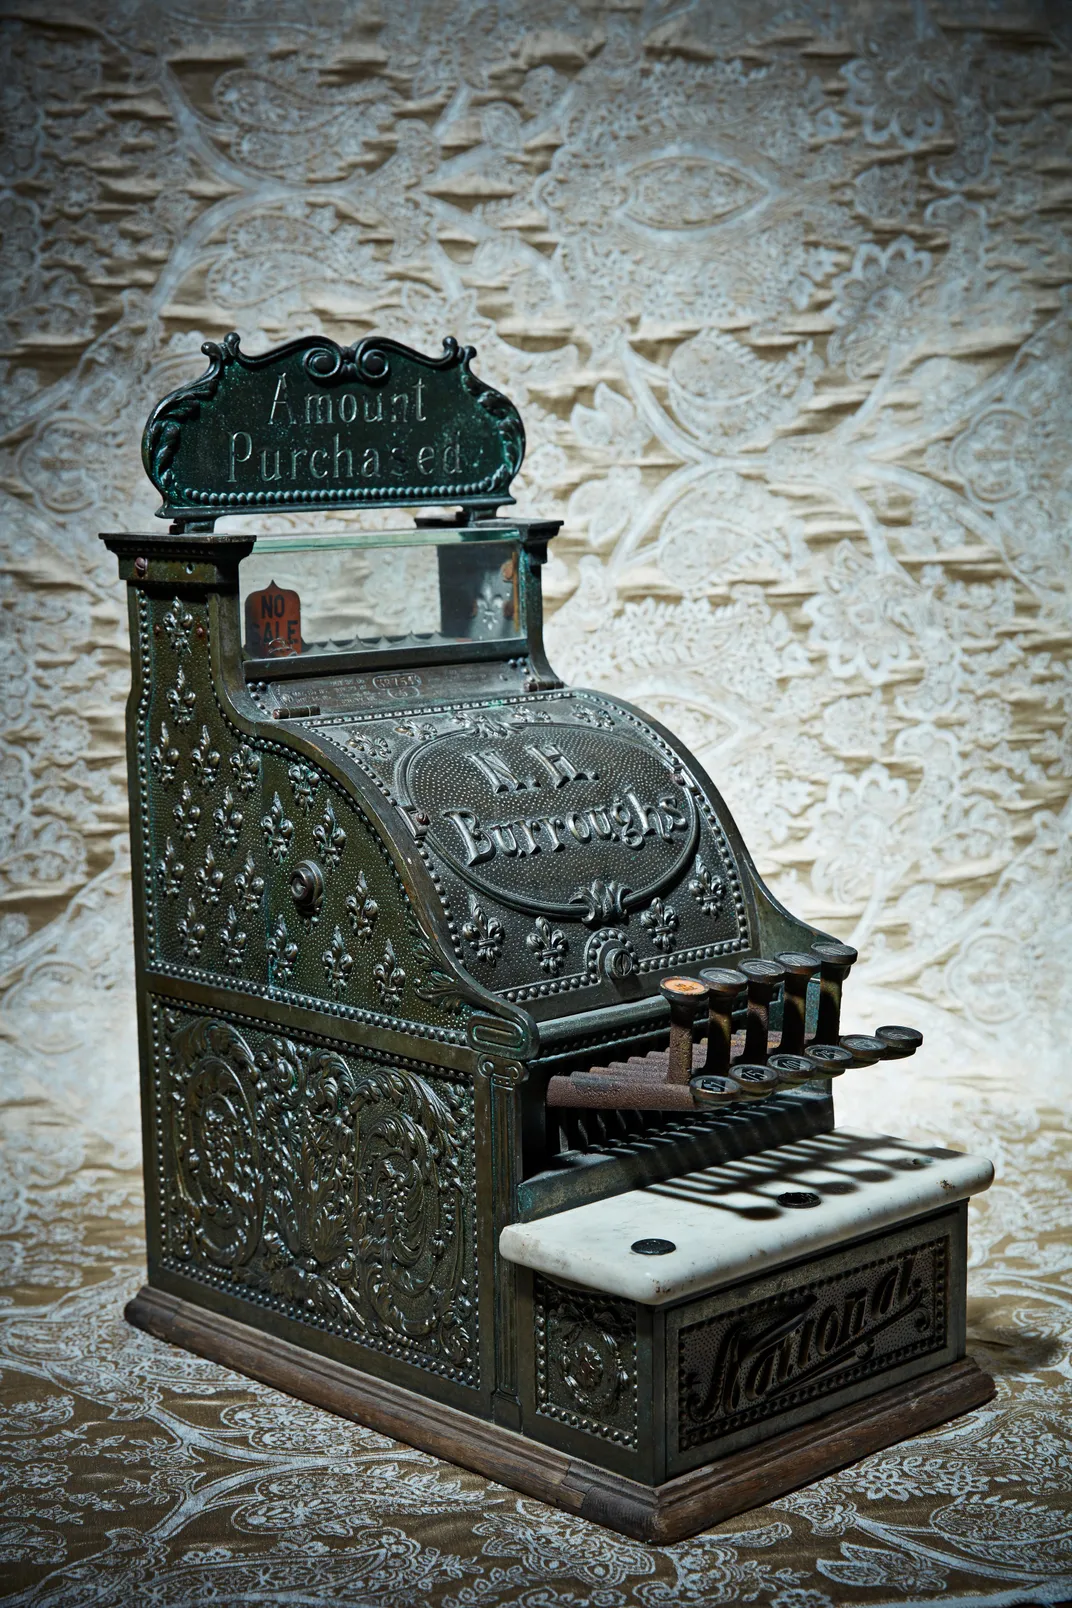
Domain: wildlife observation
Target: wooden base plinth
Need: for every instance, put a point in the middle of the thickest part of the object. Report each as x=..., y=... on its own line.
x=662, y=1513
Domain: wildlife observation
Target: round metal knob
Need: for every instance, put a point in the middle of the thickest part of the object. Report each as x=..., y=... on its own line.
x=835, y=954
x=307, y=887
x=763, y=975
x=723, y=981
x=798, y=962
x=899, y=1041
x=791, y=1068
x=709, y=1090
x=754, y=1081
x=617, y=961
x=684, y=993
x=865, y=1048
x=829, y=1060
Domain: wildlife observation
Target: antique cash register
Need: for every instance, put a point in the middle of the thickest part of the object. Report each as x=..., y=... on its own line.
x=487, y=1090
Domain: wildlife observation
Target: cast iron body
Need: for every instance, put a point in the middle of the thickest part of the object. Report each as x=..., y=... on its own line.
x=381, y=898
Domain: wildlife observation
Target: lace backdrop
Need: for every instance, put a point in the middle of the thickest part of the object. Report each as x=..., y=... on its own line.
x=782, y=292
x=786, y=315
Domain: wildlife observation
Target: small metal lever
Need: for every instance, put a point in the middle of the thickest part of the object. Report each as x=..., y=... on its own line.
x=686, y=996
x=835, y=963
x=800, y=967
x=724, y=984
x=764, y=977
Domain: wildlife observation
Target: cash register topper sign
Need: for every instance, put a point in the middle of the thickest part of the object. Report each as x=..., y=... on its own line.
x=312, y=424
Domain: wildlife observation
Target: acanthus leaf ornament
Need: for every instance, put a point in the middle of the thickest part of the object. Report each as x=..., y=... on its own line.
x=601, y=901
x=215, y=1143
x=433, y=983
x=368, y=746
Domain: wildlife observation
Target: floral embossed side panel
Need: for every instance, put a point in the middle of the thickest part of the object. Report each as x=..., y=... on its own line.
x=586, y=1361
x=331, y=1188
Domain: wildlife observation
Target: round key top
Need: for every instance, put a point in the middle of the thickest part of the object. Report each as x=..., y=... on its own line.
x=798, y=962
x=864, y=1048
x=724, y=981
x=709, y=1090
x=765, y=973
x=829, y=1060
x=685, y=991
x=899, y=1041
x=754, y=1081
x=791, y=1068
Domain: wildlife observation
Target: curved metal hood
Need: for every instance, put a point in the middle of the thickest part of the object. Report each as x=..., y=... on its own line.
x=577, y=852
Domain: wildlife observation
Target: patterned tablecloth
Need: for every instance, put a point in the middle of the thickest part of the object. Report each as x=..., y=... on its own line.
x=782, y=291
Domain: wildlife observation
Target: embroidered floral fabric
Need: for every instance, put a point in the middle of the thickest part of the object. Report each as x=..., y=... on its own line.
x=782, y=295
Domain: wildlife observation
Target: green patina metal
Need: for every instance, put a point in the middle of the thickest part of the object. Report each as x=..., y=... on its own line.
x=314, y=425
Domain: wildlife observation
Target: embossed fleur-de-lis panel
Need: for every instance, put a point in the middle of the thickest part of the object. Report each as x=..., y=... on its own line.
x=338, y=1189
x=226, y=820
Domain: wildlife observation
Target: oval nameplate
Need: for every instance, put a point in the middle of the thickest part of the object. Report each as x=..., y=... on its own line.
x=558, y=819
x=314, y=425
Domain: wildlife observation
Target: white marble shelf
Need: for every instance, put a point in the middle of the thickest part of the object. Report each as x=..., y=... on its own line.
x=726, y=1222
